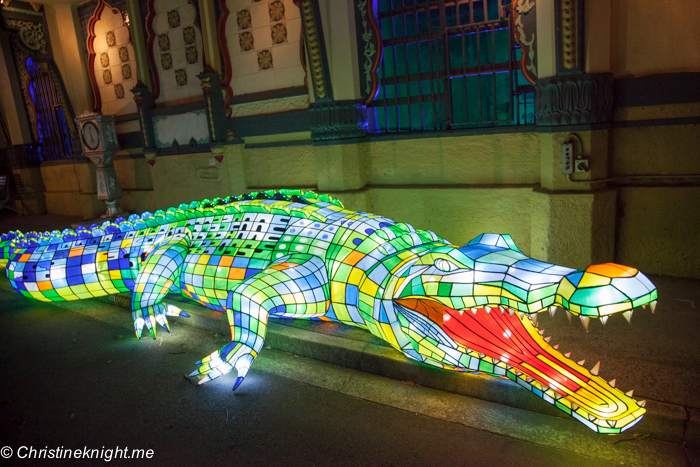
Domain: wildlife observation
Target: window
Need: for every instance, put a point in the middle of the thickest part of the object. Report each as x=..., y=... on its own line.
x=449, y=64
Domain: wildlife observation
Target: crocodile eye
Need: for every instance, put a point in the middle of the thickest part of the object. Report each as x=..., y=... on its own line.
x=444, y=265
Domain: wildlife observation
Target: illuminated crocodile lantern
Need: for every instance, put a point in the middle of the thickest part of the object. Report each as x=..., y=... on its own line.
x=292, y=254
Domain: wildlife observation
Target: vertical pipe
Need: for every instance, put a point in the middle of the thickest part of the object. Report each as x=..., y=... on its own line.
x=432, y=72
x=493, y=71
x=408, y=77
x=396, y=80
x=420, y=69
x=478, y=70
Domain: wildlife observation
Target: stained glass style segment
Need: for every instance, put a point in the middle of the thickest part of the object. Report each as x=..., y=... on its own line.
x=294, y=254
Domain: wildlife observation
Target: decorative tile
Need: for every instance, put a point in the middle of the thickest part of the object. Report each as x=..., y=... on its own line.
x=191, y=54
x=107, y=76
x=174, y=18
x=276, y=10
x=166, y=61
x=279, y=33
x=111, y=39
x=126, y=71
x=181, y=77
x=104, y=59
x=189, y=35
x=119, y=91
x=264, y=60
x=244, y=19
x=163, y=42
x=123, y=54
x=246, y=41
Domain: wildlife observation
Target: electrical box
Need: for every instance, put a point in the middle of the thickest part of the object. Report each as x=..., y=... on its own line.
x=567, y=158
x=581, y=165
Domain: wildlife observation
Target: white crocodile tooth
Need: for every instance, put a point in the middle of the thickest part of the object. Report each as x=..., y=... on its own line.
x=556, y=347
x=529, y=378
x=488, y=309
x=541, y=332
x=509, y=367
x=547, y=339
x=552, y=310
x=574, y=407
x=461, y=312
x=644, y=307
x=604, y=319
x=533, y=318
x=652, y=305
x=501, y=309
x=612, y=383
x=558, y=395
x=628, y=315
x=569, y=315
x=567, y=354
x=511, y=311
x=521, y=315
x=595, y=369
x=582, y=362
x=474, y=310
x=591, y=417
x=642, y=403
x=612, y=423
x=481, y=355
x=585, y=320
x=629, y=393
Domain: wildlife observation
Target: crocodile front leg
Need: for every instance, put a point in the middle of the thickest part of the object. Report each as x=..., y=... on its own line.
x=157, y=274
x=293, y=286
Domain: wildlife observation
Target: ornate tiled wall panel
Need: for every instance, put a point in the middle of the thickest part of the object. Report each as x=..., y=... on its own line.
x=114, y=64
x=177, y=50
x=263, y=40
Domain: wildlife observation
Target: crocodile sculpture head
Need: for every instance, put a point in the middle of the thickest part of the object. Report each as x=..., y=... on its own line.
x=486, y=296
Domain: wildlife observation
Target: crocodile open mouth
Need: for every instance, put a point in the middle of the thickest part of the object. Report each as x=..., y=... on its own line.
x=500, y=342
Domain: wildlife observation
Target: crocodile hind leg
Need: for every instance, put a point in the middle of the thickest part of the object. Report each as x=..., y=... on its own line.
x=157, y=275
x=295, y=286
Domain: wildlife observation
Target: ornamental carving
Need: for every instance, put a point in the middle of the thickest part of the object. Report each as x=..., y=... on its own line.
x=371, y=48
x=579, y=99
x=314, y=48
x=524, y=19
x=568, y=29
x=31, y=34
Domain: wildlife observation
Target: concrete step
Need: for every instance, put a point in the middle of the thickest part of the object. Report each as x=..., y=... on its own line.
x=359, y=350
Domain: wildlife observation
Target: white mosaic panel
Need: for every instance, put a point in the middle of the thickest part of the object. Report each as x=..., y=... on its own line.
x=115, y=64
x=271, y=59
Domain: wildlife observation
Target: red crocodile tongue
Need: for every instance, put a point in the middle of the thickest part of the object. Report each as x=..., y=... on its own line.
x=505, y=338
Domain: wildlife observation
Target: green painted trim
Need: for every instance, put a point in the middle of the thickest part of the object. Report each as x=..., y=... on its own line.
x=126, y=118
x=660, y=89
x=293, y=121
x=233, y=142
x=180, y=108
x=494, y=130
x=658, y=122
x=279, y=144
x=75, y=160
x=570, y=128
x=267, y=95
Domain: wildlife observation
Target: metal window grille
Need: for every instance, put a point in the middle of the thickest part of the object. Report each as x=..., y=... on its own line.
x=449, y=64
x=55, y=139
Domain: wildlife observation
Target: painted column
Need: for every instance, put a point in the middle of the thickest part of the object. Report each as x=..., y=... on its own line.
x=138, y=41
x=210, y=34
x=69, y=53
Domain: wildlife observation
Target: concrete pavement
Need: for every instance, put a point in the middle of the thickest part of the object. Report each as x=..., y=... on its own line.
x=74, y=375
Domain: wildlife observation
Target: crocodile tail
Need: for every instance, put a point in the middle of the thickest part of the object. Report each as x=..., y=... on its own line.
x=6, y=248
